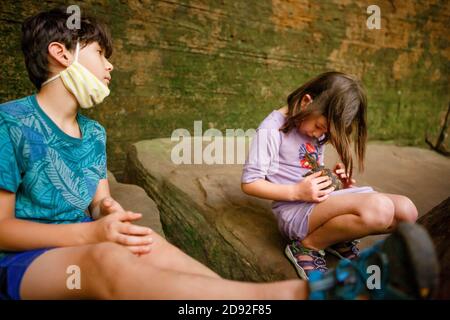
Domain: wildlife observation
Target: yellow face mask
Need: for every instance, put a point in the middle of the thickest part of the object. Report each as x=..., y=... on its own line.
x=85, y=86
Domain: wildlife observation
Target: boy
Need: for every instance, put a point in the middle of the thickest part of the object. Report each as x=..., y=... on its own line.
x=56, y=210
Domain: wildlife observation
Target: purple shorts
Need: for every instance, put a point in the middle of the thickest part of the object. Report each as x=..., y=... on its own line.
x=293, y=216
x=13, y=267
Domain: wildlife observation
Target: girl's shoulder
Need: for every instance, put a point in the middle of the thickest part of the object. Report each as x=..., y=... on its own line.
x=283, y=111
x=274, y=120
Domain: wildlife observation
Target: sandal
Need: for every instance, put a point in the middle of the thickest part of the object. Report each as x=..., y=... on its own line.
x=345, y=250
x=305, y=260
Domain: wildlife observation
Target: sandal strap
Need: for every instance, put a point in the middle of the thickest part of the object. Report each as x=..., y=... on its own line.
x=299, y=248
x=317, y=261
x=346, y=244
x=347, y=249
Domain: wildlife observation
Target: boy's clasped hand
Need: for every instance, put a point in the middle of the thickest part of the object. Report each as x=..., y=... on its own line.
x=115, y=226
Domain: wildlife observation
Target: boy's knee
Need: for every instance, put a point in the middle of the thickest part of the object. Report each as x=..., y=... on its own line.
x=108, y=260
x=379, y=212
x=107, y=252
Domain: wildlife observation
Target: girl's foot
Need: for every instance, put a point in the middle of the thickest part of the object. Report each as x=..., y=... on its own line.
x=404, y=266
x=305, y=260
x=345, y=250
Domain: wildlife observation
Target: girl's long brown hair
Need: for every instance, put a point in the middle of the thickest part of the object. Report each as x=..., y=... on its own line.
x=342, y=100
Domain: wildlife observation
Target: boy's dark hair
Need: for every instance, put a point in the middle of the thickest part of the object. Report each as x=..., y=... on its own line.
x=40, y=30
x=341, y=98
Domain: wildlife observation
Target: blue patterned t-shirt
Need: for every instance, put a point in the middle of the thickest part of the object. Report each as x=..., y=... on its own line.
x=54, y=175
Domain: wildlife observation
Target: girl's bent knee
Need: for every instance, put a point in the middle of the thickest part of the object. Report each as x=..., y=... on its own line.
x=408, y=209
x=379, y=212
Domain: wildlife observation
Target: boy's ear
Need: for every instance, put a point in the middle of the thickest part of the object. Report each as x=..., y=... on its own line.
x=307, y=99
x=59, y=55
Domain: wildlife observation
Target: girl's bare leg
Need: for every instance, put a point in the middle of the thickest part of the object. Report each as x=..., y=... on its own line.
x=405, y=210
x=352, y=216
x=341, y=228
x=110, y=271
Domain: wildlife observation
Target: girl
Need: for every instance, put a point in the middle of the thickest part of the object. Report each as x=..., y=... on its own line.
x=310, y=212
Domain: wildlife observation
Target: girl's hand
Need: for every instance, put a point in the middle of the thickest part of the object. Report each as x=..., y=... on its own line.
x=312, y=188
x=339, y=170
x=116, y=227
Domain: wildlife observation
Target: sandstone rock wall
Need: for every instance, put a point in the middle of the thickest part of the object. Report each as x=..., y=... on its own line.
x=229, y=63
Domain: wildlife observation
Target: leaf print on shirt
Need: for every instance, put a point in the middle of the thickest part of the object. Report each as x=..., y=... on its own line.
x=64, y=180
x=36, y=144
x=17, y=108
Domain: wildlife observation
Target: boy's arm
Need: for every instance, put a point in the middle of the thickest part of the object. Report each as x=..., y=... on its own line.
x=19, y=235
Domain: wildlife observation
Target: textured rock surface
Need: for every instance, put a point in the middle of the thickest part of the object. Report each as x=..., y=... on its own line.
x=205, y=213
x=134, y=198
x=437, y=222
x=229, y=63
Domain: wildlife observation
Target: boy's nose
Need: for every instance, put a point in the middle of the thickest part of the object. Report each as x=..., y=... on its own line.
x=109, y=66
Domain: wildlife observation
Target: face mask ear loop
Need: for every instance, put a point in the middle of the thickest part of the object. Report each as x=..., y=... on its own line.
x=77, y=50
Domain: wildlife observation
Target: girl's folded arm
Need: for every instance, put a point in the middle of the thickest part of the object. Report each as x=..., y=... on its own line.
x=262, y=188
x=21, y=235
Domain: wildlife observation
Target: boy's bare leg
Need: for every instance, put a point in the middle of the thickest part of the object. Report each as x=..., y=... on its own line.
x=352, y=216
x=110, y=271
x=46, y=277
x=166, y=256
x=177, y=285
